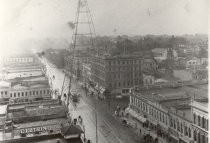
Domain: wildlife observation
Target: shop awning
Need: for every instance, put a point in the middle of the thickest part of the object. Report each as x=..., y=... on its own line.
x=142, y=119
x=71, y=130
x=102, y=90
x=135, y=114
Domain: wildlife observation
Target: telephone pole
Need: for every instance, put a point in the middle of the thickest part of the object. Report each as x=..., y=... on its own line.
x=82, y=27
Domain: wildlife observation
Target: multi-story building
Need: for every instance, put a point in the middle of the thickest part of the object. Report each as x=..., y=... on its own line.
x=148, y=79
x=22, y=66
x=77, y=61
x=28, y=89
x=170, y=114
x=4, y=91
x=30, y=122
x=86, y=74
x=3, y=113
x=200, y=124
x=116, y=73
x=25, y=90
x=20, y=59
x=149, y=65
x=160, y=54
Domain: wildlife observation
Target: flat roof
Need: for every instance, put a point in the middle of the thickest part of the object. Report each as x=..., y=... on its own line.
x=162, y=94
x=3, y=109
x=42, y=123
x=28, y=79
x=34, y=103
x=4, y=84
x=45, y=139
x=29, y=86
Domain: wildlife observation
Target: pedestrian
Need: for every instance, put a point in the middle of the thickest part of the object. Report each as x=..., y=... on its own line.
x=115, y=112
x=122, y=113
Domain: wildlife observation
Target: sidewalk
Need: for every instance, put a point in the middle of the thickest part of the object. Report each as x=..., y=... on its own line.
x=139, y=129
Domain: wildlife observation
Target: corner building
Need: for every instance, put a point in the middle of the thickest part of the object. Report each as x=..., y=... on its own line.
x=116, y=73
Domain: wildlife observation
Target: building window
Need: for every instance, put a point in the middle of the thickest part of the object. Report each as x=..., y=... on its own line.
x=5, y=92
x=44, y=91
x=199, y=120
x=203, y=122
x=22, y=93
x=37, y=92
x=14, y=94
x=194, y=118
x=163, y=118
x=186, y=131
x=18, y=94
x=189, y=130
x=181, y=128
x=40, y=91
x=174, y=124
x=195, y=135
x=30, y=93
x=26, y=93
x=178, y=126
x=48, y=91
x=10, y=94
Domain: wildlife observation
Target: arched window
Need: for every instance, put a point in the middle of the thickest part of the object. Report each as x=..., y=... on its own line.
x=178, y=126
x=174, y=124
x=181, y=128
x=189, y=130
x=199, y=120
x=199, y=137
x=195, y=135
x=203, y=122
x=194, y=118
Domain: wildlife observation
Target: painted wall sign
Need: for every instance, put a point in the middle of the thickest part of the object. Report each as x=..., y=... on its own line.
x=33, y=130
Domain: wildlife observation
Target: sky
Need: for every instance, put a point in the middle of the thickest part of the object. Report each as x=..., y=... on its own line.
x=40, y=19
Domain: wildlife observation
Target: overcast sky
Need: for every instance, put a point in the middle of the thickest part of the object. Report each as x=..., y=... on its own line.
x=22, y=19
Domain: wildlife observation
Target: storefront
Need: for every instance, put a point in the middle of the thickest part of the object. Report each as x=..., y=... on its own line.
x=174, y=136
x=36, y=131
x=135, y=115
x=162, y=132
x=152, y=124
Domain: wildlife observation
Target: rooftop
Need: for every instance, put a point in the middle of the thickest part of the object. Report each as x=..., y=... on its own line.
x=47, y=139
x=42, y=123
x=21, y=86
x=4, y=84
x=30, y=78
x=122, y=56
x=3, y=109
x=51, y=102
x=163, y=94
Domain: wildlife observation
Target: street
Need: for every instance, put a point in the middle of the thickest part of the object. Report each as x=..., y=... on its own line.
x=109, y=130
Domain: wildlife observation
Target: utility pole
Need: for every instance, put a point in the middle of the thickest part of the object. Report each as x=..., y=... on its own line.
x=96, y=118
x=82, y=10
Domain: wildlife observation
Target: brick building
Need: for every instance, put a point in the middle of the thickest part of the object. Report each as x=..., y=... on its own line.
x=116, y=73
x=171, y=114
x=200, y=122
x=78, y=62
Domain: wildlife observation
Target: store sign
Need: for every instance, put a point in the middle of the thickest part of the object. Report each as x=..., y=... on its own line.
x=33, y=130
